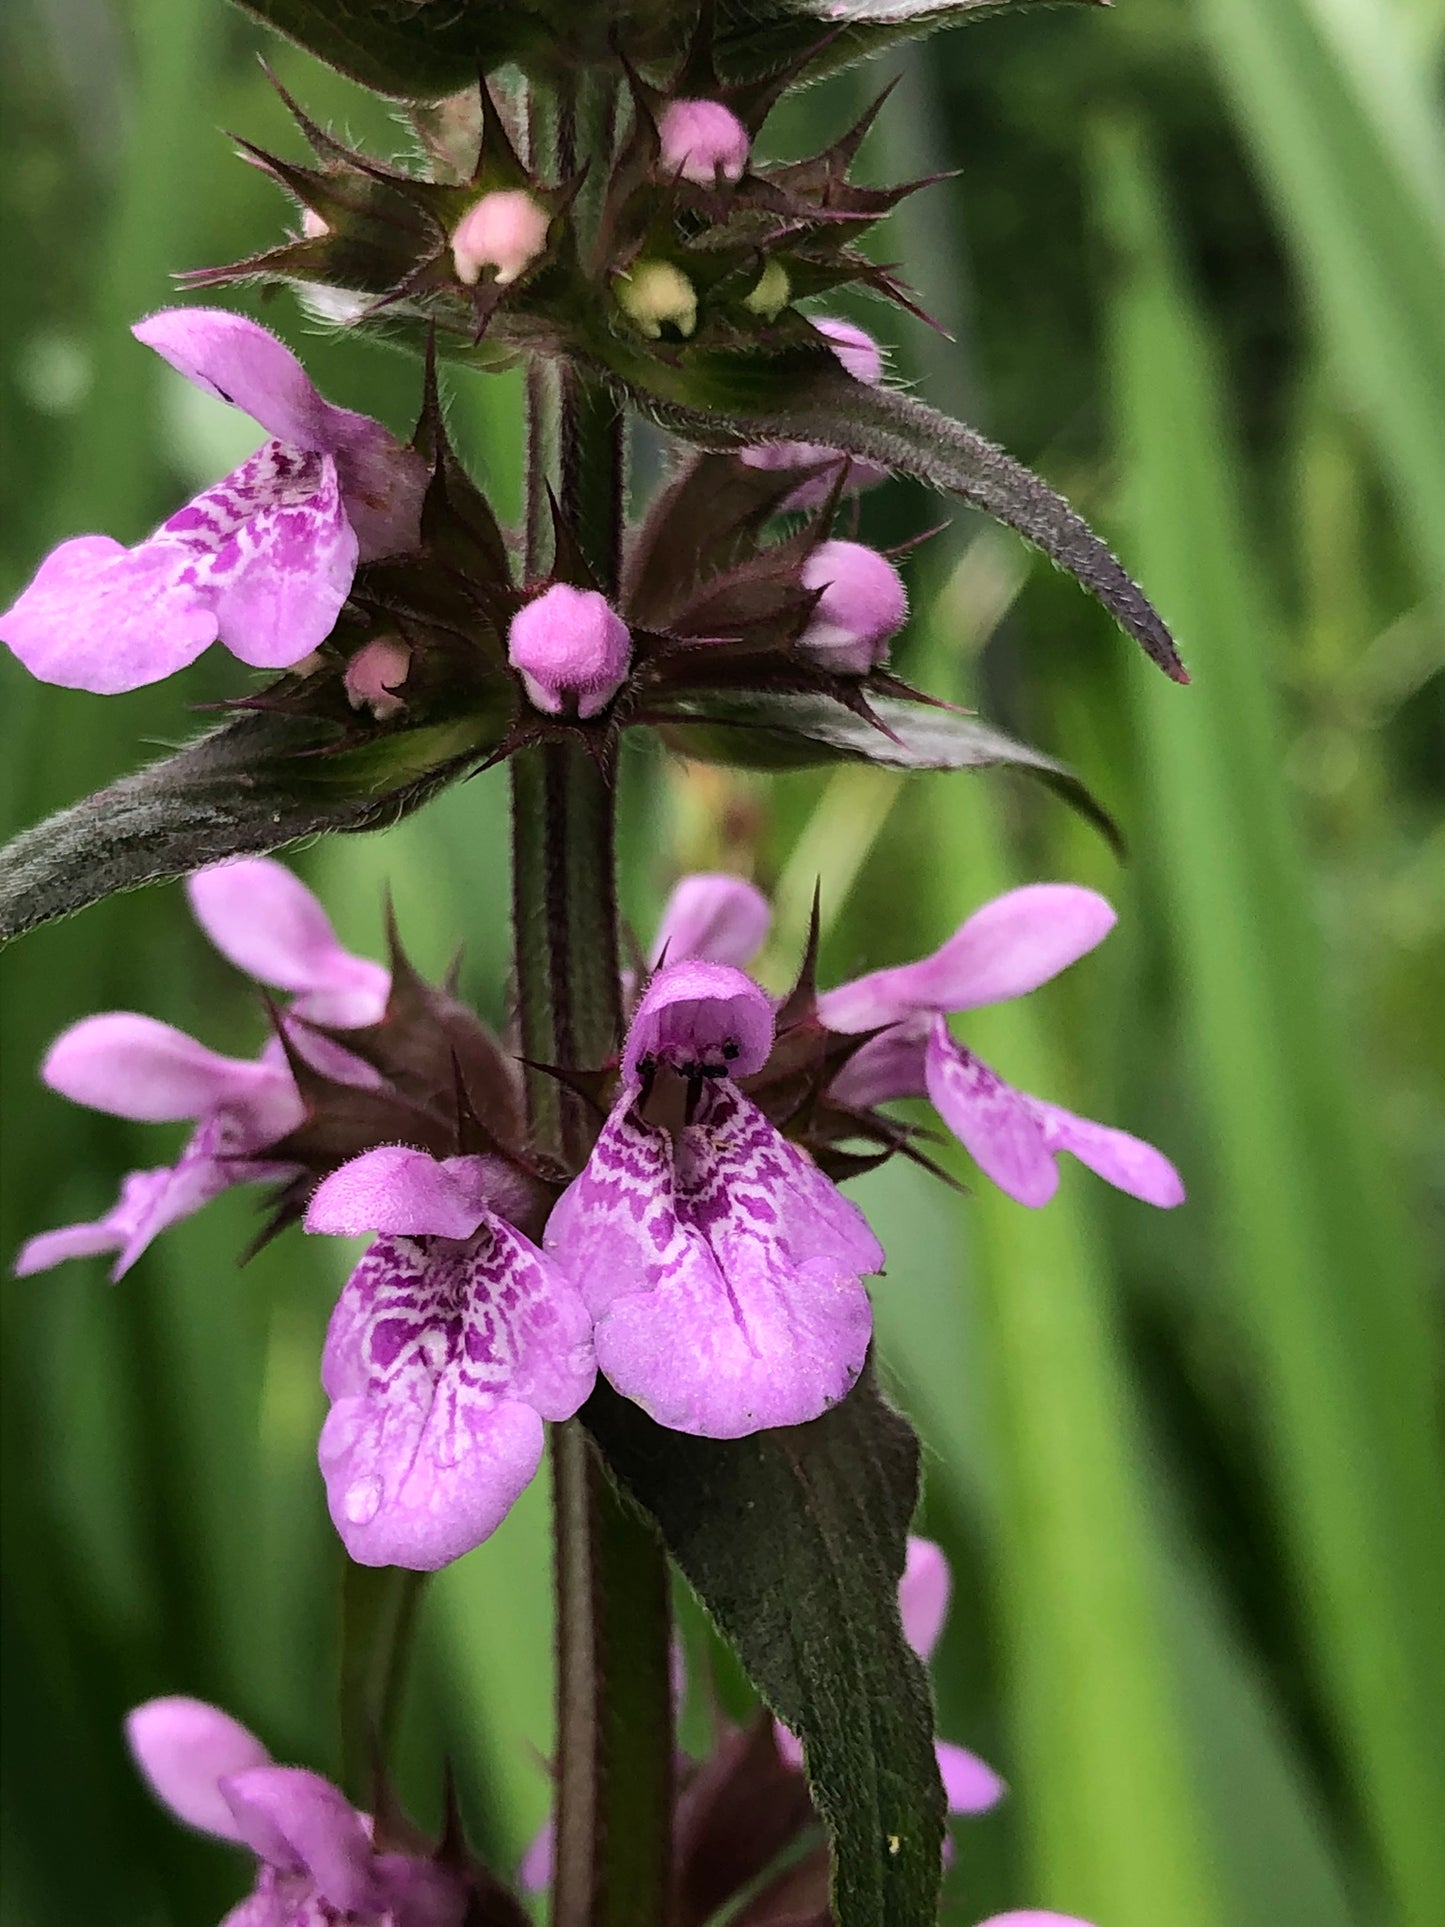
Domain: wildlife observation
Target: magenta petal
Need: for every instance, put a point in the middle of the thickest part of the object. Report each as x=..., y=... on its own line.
x=422, y=1893
x=970, y=1785
x=535, y=1869
x=105, y=618
x=1006, y=949
x=441, y=1364
x=890, y=1065
x=719, y=919
x=726, y=1288
x=262, y=917
x=394, y=1189
x=271, y=547
x=269, y=1905
x=993, y=1122
x=50, y=1248
x=240, y=362
x=113, y=1232
x=137, y=1067
x=1034, y=1917
x=295, y=1820
x=1126, y=1162
x=695, y=1013
x=210, y=1164
x=184, y=1748
x=923, y=1594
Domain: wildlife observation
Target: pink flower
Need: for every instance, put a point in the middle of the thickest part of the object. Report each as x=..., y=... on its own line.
x=266, y=921
x=703, y=141
x=571, y=649
x=262, y=561
x=722, y=1268
x=720, y=919
x=861, y=606
x=454, y=1338
x=1004, y=950
x=315, y=1859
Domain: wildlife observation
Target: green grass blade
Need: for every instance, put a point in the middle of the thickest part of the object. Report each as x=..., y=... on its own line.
x=1106, y=1782
x=1345, y=132
x=1340, y=1355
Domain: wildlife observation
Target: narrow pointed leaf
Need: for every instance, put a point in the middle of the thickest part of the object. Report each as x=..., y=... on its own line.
x=405, y=51
x=794, y=1540
x=777, y=729
x=757, y=40
x=726, y=401
x=245, y=788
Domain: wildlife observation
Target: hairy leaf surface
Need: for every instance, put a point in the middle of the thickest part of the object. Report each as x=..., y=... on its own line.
x=795, y=1540
x=776, y=729
x=720, y=399
x=245, y=788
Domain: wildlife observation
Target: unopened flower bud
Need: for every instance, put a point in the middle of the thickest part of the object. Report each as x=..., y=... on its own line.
x=656, y=295
x=374, y=675
x=702, y=139
x=772, y=294
x=862, y=607
x=569, y=646
x=505, y=230
x=854, y=346
x=313, y=226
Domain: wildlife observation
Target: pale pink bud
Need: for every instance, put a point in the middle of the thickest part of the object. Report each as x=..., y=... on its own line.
x=854, y=347
x=569, y=646
x=702, y=139
x=375, y=673
x=313, y=226
x=862, y=607
x=505, y=230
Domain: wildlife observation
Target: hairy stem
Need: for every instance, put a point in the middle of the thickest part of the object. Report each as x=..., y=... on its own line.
x=614, y=1698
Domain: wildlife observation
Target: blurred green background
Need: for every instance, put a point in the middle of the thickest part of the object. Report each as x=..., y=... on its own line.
x=1186, y=1466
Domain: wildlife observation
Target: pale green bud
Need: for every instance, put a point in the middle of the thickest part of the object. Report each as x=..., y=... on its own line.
x=657, y=295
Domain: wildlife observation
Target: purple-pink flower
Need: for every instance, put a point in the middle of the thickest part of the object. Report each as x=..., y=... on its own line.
x=1004, y=950
x=316, y=1863
x=724, y=1271
x=266, y=921
x=261, y=561
x=454, y=1338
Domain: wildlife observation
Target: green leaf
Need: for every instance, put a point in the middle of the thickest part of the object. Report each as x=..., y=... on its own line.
x=736, y=399
x=778, y=729
x=402, y=49
x=415, y=51
x=248, y=787
x=1342, y=123
x=755, y=40
x=795, y=1540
